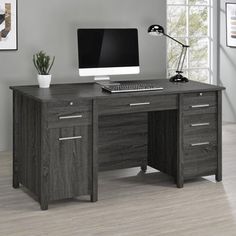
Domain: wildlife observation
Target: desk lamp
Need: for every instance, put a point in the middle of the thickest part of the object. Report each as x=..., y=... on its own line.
x=156, y=30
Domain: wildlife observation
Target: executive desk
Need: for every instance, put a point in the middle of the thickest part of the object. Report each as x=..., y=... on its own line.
x=65, y=134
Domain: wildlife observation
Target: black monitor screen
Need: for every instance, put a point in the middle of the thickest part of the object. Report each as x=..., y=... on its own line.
x=100, y=48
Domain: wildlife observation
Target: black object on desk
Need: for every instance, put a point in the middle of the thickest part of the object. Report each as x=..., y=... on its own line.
x=156, y=30
x=65, y=134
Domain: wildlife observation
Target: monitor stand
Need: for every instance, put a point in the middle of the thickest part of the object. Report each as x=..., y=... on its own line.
x=102, y=78
x=104, y=81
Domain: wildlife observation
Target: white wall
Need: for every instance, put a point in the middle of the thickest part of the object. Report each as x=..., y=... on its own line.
x=51, y=26
x=227, y=69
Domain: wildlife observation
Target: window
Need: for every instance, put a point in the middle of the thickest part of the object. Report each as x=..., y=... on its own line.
x=190, y=21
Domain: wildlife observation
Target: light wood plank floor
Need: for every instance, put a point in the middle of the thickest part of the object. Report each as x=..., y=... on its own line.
x=130, y=203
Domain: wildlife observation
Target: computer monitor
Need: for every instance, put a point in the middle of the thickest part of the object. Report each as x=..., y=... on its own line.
x=105, y=52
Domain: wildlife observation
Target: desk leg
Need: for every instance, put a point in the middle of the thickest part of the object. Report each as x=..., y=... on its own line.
x=180, y=182
x=93, y=197
x=218, y=176
x=43, y=204
x=179, y=177
x=144, y=167
x=15, y=180
x=44, y=184
x=44, y=162
x=94, y=193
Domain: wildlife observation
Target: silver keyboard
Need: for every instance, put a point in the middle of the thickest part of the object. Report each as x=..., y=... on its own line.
x=127, y=88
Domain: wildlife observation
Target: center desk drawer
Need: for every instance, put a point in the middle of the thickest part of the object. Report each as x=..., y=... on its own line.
x=69, y=113
x=137, y=104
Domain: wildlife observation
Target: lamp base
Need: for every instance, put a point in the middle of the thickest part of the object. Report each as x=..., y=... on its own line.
x=178, y=78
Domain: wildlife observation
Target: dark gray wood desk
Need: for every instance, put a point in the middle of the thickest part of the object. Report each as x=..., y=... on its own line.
x=65, y=134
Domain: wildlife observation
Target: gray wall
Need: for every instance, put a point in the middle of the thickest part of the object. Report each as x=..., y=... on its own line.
x=227, y=69
x=51, y=26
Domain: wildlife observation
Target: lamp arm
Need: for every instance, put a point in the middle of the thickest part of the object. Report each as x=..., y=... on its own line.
x=168, y=36
x=184, y=56
x=182, y=59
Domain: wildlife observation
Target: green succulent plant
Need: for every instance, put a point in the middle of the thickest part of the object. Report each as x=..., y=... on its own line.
x=43, y=63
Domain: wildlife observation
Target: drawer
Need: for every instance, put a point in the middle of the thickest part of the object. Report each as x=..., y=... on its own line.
x=199, y=139
x=85, y=105
x=200, y=168
x=137, y=104
x=200, y=161
x=58, y=119
x=199, y=103
x=69, y=113
x=199, y=124
x=70, y=162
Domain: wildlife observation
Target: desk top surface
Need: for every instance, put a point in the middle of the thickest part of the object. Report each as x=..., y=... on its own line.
x=93, y=90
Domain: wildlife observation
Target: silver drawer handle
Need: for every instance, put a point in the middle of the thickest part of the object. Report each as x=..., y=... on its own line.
x=139, y=104
x=70, y=138
x=200, y=124
x=200, y=144
x=200, y=106
x=69, y=117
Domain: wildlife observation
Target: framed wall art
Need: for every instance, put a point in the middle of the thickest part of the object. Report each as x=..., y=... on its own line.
x=231, y=24
x=8, y=25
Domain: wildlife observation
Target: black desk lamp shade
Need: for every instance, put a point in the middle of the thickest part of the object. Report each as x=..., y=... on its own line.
x=156, y=30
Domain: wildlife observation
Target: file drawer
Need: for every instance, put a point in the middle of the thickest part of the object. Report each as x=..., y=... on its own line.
x=200, y=139
x=199, y=103
x=200, y=160
x=199, y=124
x=137, y=104
x=70, y=162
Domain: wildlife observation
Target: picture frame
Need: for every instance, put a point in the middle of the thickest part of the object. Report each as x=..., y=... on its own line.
x=230, y=9
x=8, y=25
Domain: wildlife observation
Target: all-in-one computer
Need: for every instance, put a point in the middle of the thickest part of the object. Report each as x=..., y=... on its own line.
x=105, y=52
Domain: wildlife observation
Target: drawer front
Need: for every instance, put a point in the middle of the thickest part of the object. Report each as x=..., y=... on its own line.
x=70, y=162
x=199, y=103
x=85, y=105
x=137, y=104
x=59, y=119
x=200, y=139
x=199, y=124
x=69, y=113
x=200, y=161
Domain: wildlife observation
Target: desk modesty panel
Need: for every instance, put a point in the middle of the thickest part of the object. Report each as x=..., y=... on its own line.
x=65, y=134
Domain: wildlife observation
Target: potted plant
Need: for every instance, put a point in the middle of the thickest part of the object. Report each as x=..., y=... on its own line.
x=43, y=64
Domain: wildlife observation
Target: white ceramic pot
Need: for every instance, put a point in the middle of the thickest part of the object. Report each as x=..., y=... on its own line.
x=44, y=81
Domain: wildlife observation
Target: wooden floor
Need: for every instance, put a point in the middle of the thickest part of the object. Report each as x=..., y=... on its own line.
x=130, y=203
